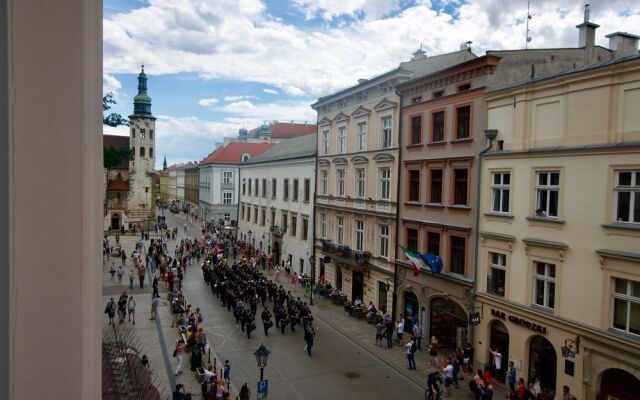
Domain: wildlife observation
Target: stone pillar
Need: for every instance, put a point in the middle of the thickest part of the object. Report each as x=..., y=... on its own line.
x=54, y=199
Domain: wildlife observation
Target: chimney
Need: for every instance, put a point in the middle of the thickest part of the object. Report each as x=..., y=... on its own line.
x=623, y=44
x=587, y=31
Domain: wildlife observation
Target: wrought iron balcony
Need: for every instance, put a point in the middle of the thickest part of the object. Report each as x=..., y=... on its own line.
x=343, y=254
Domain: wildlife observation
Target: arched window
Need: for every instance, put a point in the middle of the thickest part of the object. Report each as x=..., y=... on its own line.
x=150, y=152
x=133, y=132
x=142, y=152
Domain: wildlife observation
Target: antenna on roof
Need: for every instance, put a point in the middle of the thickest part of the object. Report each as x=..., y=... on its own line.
x=586, y=12
x=528, y=38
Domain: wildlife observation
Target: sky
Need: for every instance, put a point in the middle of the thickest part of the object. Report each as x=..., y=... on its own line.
x=215, y=66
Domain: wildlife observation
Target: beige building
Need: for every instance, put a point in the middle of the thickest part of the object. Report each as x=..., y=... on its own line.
x=558, y=288
x=356, y=193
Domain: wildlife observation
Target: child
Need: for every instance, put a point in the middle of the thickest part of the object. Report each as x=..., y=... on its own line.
x=226, y=374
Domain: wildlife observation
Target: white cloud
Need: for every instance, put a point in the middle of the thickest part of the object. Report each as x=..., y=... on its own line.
x=236, y=40
x=232, y=98
x=285, y=111
x=208, y=102
x=270, y=91
x=111, y=84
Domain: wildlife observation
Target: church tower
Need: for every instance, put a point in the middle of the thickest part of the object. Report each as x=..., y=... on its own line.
x=142, y=139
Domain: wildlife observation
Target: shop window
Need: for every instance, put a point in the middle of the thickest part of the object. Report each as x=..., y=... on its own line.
x=543, y=363
x=382, y=296
x=339, y=278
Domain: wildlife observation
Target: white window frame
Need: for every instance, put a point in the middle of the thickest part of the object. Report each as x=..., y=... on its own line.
x=548, y=281
x=340, y=181
x=339, y=229
x=362, y=136
x=499, y=189
x=383, y=231
x=324, y=181
x=342, y=139
x=387, y=130
x=325, y=141
x=227, y=177
x=323, y=225
x=361, y=181
x=226, y=200
x=359, y=235
x=500, y=264
x=384, y=183
x=634, y=197
x=629, y=298
x=546, y=190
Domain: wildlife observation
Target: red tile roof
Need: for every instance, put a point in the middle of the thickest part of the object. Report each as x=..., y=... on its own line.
x=285, y=130
x=117, y=142
x=118, y=185
x=232, y=152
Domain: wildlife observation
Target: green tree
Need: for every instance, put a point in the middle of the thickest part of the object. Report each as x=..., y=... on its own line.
x=113, y=157
x=112, y=119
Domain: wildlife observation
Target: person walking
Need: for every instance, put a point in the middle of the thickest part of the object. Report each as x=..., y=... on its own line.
x=155, y=286
x=141, y=273
x=399, y=330
x=226, y=372
x=131, y=276
x=110, y=310
x=277, y=272
x=417, y=333
x=309, y=334
x=245, y=394
x=178, y=353
x=131, y=308
x=433, y=351
x=379, y=333
x=511, y=377
x=448, y=377
x=411, y=351
x=120, y=274
x=155, y=301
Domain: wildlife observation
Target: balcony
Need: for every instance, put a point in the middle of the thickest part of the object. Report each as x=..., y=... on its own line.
x=115, y=204
x=343, y=254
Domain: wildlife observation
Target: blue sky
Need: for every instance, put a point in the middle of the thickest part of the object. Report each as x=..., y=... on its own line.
x=217, y=65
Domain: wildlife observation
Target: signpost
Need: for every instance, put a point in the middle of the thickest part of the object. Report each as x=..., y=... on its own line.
x=263, y=389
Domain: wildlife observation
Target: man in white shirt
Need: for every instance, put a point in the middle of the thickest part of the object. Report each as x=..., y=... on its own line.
x=411, y=350
x=448, y=377
x=497, y=363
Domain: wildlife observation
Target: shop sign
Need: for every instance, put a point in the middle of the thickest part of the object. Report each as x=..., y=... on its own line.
x=474, y=318
x=519, y=321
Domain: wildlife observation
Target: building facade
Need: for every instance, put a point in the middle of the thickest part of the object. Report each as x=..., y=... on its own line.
x=558, y=288
x=356, y=197
x=218, y=180
x=164, y=186
x=276, y=202
x=191, y=187
x=180, y=185
x=173, y=187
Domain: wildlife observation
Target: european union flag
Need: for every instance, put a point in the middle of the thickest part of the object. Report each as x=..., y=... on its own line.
x=433, y=262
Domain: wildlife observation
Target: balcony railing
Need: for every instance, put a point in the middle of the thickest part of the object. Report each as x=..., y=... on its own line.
x=344, y=254
x=116, y=204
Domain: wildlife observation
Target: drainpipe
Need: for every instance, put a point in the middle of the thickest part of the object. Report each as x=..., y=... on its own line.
x=490, y=135
x=394, y=301
x=238, y=200
x=313, y=223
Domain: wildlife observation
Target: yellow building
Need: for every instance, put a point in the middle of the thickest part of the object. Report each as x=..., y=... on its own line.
x=164, y=186
x=558, y=288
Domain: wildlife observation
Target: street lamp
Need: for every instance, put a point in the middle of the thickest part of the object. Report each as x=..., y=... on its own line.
x=262, y=354
x=312, y=262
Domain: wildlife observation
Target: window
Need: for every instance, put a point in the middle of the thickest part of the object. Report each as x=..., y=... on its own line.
x=323, y=225
x=227, y=216
x=150, y=133
x=435, y=187
x=626, y=305
x=627, y=196
x=227, y=177
x=324, y=181
x=438, y=94
x=340, y=182
x=255, y=214
x=500, y=182
x=142, y=132
x=248, y=213
x=263, y=216
x=150, y=152
x=433, y=243
x=464, y=88
x=249, y=189
x=305, y=228
x=142, y=152
x=463, y=122
x=416, y=99
x=133, y=133
x=362, y=136
x=545, y=284
x=244, y=187
x=339, y=230
x=307, y=190
x=273, y=217
x=264, y=188
x=414, y=185
x=274, y=188
x=416, y=129
x=325, y=142
x=284, y=221
x=547, y=194
x=460, y=186
x=412, y=239
x=342, y=139
x=294, y=226
x=359, y=239
x=133, y=151
x=360, y=183
x=437, y=126
x=385, y=183
x=386, y=132
x=383, y=231
x=296, y=188
x=458, y=254
x=242, y=212
x=256, y=187
x=227, y=197
x=285, y=187
x=496, y=276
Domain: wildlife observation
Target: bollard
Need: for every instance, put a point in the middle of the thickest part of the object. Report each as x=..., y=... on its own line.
x=209, y=359
x=214, y=364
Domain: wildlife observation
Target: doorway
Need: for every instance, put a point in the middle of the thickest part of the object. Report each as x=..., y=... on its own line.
x=448, y=323
x=499, y=339
x=339, y=278
x=276, y=253
x=543, y=364
x=357, y=285
x=618, y=384
x=382, y=296
x=115, y=221
x=411, y=307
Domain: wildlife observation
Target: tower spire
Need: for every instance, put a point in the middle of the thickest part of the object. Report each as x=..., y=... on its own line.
x=164, y=163
x=142, y=101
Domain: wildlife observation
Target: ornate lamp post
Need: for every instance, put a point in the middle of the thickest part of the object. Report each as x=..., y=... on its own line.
x=312, y=264
x=249, y=234
x=262, y=355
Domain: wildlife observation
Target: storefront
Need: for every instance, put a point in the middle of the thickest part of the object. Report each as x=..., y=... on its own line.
x=411, y=307
x=543, y=364
x=448, y=322
x=617, y=384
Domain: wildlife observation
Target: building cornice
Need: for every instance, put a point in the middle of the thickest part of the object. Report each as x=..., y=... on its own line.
x=622, y=148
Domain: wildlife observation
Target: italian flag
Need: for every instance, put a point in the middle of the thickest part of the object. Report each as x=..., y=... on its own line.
x=418, y=264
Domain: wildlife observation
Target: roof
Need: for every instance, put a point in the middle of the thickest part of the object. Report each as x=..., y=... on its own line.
x=233, y=151
x=117, y=142
x=299, y=147
x=285, y=130
x=118, y=185
x=583, y=68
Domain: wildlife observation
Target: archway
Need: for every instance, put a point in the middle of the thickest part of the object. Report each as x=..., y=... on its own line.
x=411, y=307
x=617, y=384
x=499, y=340
x=448, y=323
x=115, y=221
x=543, y=364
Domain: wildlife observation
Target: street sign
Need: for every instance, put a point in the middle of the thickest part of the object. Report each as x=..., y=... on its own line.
x=474, y=318
x=263, y=389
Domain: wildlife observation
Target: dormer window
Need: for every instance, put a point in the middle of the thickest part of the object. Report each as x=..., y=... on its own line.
x=416, y=99
x=438, y=94
x=464, y=88
x=245, y=157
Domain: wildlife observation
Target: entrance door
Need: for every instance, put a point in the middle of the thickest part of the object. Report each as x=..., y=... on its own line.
x=410, y=308
x=449, y=323
x=338, y=278
x=382, y=296
x=357, y=285
x=617, y=384
x=276, y=253
x=499, y=340
x=115, y=221
x=543, y=363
